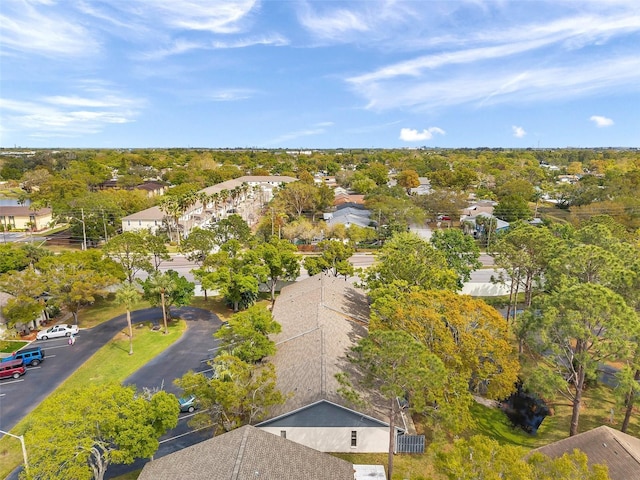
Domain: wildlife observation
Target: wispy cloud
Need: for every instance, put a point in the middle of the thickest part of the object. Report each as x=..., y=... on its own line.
x=601, y=121
x=518, y=132
x=30, y=26
x=412, y=135
x=506, y=84
x=217, y=17
x=230, y=94
x=274, y=40
x=70, y=115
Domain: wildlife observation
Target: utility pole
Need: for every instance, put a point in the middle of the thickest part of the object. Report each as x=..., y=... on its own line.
x=84, y=231
x=104, y=224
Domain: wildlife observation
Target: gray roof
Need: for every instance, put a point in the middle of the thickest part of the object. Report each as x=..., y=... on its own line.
x=605, y=446
x=148, y=214
x=247, y=453
x=323, y=414
x=321, y=318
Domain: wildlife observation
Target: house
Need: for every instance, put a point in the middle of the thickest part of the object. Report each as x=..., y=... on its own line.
x=424, y=188
x=321, y=318
x=153, y=189
x=605, y=446
x=247, y=453
x=349, y=216
x=21, y=217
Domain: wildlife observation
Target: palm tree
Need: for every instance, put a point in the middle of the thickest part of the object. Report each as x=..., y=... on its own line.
x=128, y=296
x=163, y=284
x=170, y=207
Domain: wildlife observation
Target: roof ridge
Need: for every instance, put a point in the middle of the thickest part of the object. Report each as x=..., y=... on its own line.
x=240, y=455
x=623, y=443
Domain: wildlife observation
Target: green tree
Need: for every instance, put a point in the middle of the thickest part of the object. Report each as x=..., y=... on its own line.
x=236, y=275
x=396, y=366
x=128, y=295
x=21, y=310
x=525, y=252
x=238, y=393
x=408, y=260
x=12, y=257
x=460, y=251
x=167, y=289
x=512, y=208
x=156, y=247
x=334, y=258
x=483, y=458
x=74, y=285
x=246, y=335
x=129, y=249
x=297, y=197
x=281, y=261
x=196, y=247
x=231, y=228
x=580, y=327
x=95, y=427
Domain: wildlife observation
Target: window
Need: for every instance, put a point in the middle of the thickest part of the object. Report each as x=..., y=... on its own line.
x=354, y=438
x=283, y=433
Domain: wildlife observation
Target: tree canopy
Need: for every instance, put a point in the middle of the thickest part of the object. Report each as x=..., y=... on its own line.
x=95, y=427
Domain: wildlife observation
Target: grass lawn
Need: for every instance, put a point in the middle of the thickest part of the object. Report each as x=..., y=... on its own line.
x=9, y=346
x=112, y=363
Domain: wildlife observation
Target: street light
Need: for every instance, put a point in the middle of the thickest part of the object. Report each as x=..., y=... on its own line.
x=24, y=448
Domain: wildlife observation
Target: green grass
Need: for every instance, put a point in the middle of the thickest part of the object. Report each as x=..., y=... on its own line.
x=9, y=346
x=112, y=363
x=105, y=309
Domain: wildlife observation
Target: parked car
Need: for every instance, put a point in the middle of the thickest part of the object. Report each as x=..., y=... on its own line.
x=57, y=331
x=30, y=356
x=188, y=403
x=12, y=368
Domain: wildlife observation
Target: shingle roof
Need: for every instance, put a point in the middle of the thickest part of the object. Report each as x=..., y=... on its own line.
x=248, y=453
x=321, y=318
x=603, y=445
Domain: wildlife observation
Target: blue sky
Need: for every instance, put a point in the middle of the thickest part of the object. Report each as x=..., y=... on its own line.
x=319, y=74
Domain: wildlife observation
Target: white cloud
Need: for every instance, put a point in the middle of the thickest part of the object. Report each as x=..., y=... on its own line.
x=601, y=121
x=505, y=84
x=217, y=17
x=43, y=32
x=230, y=95
x=70, y=115
x=412, y=135
x=518, y=132
x=275, y=40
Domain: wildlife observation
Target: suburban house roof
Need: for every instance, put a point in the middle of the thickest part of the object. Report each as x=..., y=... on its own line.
x=341, y=198
x=605, y=446
x=149, y=214
x=321, y=318
x=247, y=453
x=323, y=413
x=23, y=211
x=349, y=216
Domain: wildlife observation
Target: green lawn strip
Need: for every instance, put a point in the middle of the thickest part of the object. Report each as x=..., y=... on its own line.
x=415, y=467
x=105, y=309
x=112, y=363
x=10, y=346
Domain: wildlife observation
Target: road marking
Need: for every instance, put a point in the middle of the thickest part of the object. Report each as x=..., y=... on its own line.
x=2, y=394
x=13, y=381
x=183, y=434
x=33, y=368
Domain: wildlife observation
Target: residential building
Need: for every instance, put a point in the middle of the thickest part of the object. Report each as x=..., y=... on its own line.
x=247, y=453
x=322, y=317
x=603, y=445
x=21, y=217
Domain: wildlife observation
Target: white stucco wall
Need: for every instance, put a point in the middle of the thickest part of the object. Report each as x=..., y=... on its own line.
x=337, y=439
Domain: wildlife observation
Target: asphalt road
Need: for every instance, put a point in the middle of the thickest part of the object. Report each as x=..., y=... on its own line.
x=190, y=352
